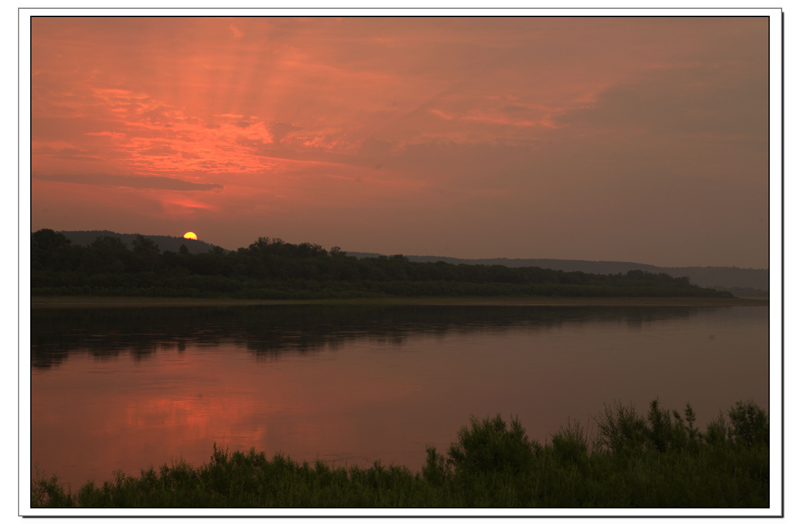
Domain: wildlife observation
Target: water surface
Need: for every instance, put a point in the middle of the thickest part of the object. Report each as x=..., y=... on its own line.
x=124, y=389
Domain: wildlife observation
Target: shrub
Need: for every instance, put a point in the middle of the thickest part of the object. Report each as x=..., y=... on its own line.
x=716, y=431
x=621, y=429
x=749, y=424
x=659, y=431
x=570, y=445
x=489, y=446
x=435, y=471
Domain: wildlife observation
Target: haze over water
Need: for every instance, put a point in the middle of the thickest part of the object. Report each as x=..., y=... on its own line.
x=129, y=388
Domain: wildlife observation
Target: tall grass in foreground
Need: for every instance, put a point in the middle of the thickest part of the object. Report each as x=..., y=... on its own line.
x=657, y=460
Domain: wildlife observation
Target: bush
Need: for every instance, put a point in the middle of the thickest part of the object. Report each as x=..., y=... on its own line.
x=570, y=445
x=622, y=430
x=435, y=471
x=749, y=424
x=488, y=446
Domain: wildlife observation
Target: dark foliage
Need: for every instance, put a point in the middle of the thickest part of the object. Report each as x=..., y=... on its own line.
x=657, y=462
x=273, y=269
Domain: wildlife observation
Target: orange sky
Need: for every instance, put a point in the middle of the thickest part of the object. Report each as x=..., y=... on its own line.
x=638, y=139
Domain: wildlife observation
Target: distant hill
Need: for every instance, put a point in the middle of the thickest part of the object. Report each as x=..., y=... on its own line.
x=741, y=282
x=744, y=282
x=165, y=243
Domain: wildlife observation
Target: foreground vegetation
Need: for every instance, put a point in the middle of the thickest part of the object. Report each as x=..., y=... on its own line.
x=274, y=269
x=657, y=460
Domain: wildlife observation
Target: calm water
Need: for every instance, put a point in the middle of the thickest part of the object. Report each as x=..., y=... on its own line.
x=128, y=388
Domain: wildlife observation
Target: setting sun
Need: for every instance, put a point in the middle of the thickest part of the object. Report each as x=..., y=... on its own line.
x=190, y=235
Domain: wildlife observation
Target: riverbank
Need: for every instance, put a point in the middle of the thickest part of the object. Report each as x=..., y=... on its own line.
x=65, y=302
x=660, y=460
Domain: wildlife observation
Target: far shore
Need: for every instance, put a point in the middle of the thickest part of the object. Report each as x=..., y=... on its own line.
x=40, y=302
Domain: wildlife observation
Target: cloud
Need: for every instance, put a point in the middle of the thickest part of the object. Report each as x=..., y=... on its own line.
x=712, y=99
x=280, y=130
x=237, y=33
x=68, y=153
x=130, y=181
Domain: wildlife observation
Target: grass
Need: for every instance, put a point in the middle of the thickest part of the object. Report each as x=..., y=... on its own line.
x=127, y=302
x=660, y=460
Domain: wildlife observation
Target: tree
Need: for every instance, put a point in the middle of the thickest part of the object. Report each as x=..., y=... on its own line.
x=49, y=249
x=109, y=253
x=48, y=240
x=635, y=274
x=146, y=252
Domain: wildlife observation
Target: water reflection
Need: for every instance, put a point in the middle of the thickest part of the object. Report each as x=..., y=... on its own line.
x=272, y=331
x=129, y=388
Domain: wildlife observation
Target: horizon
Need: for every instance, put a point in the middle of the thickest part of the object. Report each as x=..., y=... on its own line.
x=619, y=139
x=201, y=240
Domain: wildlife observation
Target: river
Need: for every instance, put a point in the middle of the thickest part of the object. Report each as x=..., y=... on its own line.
x=124, y=389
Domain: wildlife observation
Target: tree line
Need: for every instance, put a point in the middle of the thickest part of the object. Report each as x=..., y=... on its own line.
x=270, y=268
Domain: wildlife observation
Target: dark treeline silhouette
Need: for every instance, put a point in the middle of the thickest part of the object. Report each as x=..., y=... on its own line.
x=273, y=269
x=747, y=282
x=165, y=243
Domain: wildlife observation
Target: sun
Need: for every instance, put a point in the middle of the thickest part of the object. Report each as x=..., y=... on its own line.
x=190, y=236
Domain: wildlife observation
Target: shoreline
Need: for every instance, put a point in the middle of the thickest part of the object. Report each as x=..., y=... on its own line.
x=67, y=302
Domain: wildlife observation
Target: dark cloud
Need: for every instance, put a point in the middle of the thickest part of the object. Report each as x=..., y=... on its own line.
x=279, y=130
x=71, y=154
x=158, y=150
x=250, y=143
x=160, y=115
x=131, y=181
x=711, y=100
x=78, y=157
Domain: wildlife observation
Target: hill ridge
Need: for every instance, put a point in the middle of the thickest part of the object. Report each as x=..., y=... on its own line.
x=745, y=282
x=164, y=242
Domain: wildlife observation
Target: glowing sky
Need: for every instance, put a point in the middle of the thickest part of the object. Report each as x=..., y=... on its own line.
x=637, y=139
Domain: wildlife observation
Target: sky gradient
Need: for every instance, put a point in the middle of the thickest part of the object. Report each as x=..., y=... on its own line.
x=633, y=139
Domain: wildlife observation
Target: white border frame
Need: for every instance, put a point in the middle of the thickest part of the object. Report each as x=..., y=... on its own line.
x=776, y=260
